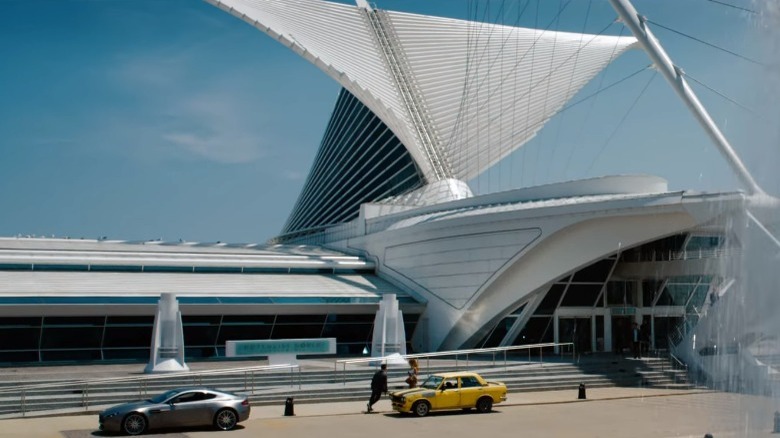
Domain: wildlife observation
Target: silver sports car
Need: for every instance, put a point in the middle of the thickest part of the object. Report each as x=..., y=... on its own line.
x=177, y=408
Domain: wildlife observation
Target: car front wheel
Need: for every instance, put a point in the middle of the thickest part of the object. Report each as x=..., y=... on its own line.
x=421, y=408
x=225, y=419
x=484, y=405
x=134, y=424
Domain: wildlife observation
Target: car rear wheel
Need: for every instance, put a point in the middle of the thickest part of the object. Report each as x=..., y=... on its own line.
x=225, y=419
x=484, y=405
x=421, y=408
x=134, y=424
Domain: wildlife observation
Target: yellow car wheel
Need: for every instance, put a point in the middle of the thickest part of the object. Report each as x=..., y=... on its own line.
x=484, y=405
x=421, y=408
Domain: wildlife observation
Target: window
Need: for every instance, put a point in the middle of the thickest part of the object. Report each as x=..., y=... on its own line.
x=192, y=397
x=469, y=382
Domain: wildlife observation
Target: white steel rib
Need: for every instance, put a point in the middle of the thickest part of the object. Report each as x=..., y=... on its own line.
x=482, y=90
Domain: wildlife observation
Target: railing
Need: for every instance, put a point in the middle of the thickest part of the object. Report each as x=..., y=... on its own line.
x=83, y=386
x=672, y=255
x=456, y=353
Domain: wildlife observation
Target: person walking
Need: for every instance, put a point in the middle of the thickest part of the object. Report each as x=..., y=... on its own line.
x=378, y=386
x=414, y=369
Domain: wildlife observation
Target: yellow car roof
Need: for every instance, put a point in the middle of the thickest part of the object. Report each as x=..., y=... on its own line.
x=457, y=374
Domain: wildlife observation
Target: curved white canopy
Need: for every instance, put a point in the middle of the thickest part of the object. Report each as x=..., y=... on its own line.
x=483, y=89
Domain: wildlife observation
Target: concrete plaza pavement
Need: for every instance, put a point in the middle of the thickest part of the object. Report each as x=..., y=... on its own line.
x=607, y=412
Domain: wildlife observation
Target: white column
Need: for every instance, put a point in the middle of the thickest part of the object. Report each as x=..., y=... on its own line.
x=167, y=350
x=389, y=333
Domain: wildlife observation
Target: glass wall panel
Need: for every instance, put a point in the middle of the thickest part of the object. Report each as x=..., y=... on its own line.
x=199, y=352
x=128, y=336
x=130, y=320
x=126, y=353
x=19, y=338
x=18, y=356
x=679, y=293
x=499, y=332
x=300, y=319
x=704, y=243
x=581, y=295
x=364, y=318
x=201, y=320
x=620, y=293
x=200, y=335
x=70, y=355
x=293, y=331
x=697, y=299
x=649, y=289
x=20, y=322
x=236, y=332
x=71, y=337
x=70, y=321
x=537, y=330
x=248, y=319
x=663, y=329
x=595, y=273
x=550, y=301
x=348, y=332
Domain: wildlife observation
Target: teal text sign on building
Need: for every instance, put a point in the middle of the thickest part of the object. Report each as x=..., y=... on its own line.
x=272, y=347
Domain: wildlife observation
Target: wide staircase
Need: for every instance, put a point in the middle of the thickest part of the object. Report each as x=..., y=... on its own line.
x=317, y=381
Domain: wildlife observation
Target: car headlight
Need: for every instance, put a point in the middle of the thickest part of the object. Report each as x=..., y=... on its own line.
x=403, y=399
x=110, y=414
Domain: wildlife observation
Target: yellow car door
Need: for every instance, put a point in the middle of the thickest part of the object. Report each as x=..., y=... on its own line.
x=470, y=390
x=447, y=395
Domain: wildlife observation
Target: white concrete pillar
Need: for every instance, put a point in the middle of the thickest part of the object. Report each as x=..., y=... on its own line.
x=167, y=352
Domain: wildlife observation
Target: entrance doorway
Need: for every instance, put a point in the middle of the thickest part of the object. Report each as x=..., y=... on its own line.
x=621, y=333
x=576, y=331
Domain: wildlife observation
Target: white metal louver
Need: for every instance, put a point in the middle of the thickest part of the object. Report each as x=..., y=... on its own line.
x=485, y=89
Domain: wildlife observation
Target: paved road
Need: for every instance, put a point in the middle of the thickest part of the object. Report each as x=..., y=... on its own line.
x=608, y=412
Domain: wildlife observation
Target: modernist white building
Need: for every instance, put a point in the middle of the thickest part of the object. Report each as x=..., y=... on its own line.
x=387, y=209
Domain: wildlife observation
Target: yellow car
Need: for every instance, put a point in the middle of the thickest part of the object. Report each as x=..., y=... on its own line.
x=450, y=391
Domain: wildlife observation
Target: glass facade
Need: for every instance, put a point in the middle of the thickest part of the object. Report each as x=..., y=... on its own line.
x=112, y=338
x=360, y=160
x=594, y=292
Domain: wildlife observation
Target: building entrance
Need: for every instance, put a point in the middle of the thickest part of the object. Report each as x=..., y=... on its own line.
x=577, y=331
x=621, y=333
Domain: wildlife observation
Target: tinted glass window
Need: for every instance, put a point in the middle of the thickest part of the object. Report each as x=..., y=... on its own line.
x=469, y=382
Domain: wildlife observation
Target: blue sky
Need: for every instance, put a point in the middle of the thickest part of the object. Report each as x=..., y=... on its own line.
x=146, y=119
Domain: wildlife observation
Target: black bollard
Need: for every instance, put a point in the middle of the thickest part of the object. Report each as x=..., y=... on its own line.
x=289, y=407
x=581, y=395
x=777, y=422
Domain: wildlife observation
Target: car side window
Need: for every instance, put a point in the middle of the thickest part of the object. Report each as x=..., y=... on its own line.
x=469, y=382
x=450, y=384
x=190, y=397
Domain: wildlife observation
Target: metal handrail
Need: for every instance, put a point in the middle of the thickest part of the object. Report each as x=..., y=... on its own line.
x=456, y=353
x=149, y=377
x=678, y=361
x=143, y=381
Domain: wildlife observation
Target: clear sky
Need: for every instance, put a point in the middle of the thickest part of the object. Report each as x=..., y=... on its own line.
x=147, y=119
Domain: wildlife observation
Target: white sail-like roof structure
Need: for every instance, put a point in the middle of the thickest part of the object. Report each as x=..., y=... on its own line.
x=441, y=85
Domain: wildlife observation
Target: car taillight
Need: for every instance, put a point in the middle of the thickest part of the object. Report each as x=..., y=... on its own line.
x=245, y=402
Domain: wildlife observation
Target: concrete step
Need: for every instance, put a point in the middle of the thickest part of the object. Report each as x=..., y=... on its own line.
x=269, y=388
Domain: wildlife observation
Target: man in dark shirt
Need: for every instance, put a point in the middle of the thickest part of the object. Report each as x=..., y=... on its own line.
x=378, y=386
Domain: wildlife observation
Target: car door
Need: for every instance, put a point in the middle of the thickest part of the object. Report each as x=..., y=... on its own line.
x=190, y=409
x=447, y=395
x=470, y=391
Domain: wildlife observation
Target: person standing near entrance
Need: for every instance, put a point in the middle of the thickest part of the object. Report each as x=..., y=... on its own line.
x=635, y=341
x=378, y=386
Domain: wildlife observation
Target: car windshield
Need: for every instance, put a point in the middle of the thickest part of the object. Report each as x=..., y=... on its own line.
x=432, y=382
x=164, y=396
